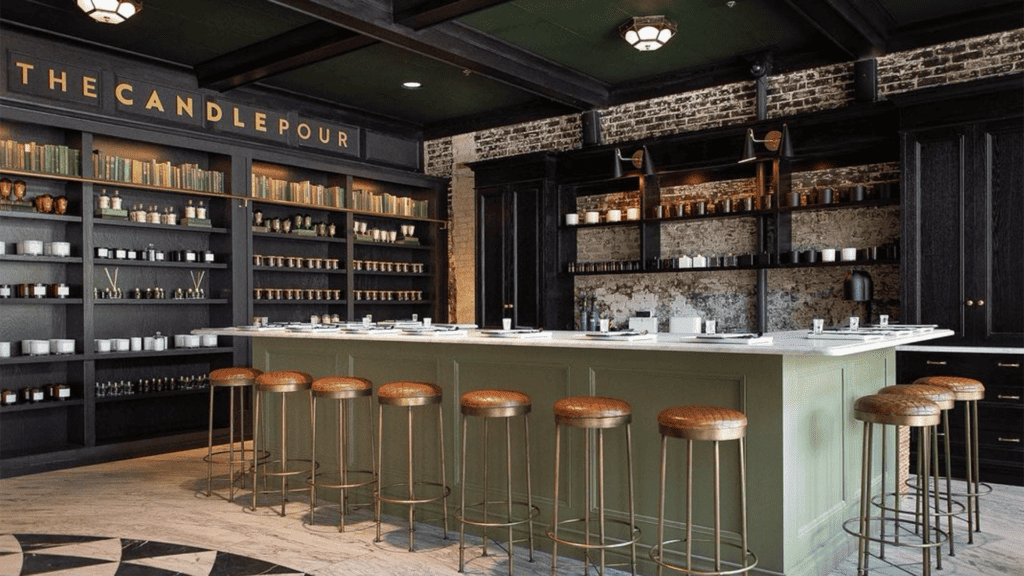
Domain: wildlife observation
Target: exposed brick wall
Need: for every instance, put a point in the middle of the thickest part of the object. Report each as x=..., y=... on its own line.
x=790, y=93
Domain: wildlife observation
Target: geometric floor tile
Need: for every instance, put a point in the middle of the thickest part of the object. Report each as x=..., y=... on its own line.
x=66, y=555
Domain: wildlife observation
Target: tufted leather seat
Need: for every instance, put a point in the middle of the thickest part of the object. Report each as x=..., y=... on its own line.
x=702, y=423
x=235, y=376
x=342, y=387
x=964, y=389
x=283, y=381
x=495, y=403
x=402, y=393
x=942, y=397
x=896, y=409
x=592, y=412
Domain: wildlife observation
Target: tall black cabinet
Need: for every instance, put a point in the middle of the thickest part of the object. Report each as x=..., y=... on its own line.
x=517, y=244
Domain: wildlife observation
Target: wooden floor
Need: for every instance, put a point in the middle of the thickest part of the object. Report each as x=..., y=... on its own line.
x=153, y=512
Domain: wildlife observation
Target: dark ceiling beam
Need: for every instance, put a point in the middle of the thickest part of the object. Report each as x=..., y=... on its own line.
x=462, y=46
x=518, y=114
x=419, y=14
x=858, y=29
x=998, y=18
x=294, y=49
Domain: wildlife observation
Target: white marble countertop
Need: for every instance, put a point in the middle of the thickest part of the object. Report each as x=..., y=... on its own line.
x=792, y=343
x=960, y=349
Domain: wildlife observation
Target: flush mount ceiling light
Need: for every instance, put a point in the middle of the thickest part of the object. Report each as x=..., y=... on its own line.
x=646, y=33
x=110, y=11
x=412, y=85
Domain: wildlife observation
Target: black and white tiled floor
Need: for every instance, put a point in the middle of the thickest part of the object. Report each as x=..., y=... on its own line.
x=67, y=555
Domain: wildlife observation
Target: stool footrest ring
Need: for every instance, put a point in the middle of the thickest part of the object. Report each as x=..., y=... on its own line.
x=266, y=469
x=656, y=557
x=959, y=507
x=534, y=512
x=312, y=481
x=941, y=537
x=983, y=489
x=445, y=492
x=212, y=457
x=635, y=535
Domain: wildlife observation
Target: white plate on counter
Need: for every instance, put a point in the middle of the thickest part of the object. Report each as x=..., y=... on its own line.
x=516, y=333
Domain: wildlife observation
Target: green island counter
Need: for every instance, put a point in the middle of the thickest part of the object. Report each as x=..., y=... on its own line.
x=803, y=444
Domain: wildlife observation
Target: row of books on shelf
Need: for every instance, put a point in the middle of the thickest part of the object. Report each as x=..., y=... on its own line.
x=389, y=204
x=304, y=192
x=152, y=173
x=47, y=158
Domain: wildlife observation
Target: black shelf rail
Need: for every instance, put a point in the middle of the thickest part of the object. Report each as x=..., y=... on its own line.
x=40, y=216
x=148, y=226
x=287, y=270
x=161, y=264
x=44, y=405
x=41, y=259
x=290, y=236
x=39, y=301
x=169, y=353
x=392, y=245
x=161, y=301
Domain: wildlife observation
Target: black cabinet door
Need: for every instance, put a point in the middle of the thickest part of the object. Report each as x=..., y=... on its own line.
x=997, y=259
x=963, y=231
x=509, y=258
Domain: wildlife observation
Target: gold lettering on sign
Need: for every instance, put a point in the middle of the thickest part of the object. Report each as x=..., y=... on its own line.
x=119, y=93
x=213, y=111
x=324, y=134
x=62, y=80
x=282, y=126
x=342, y=138
x=25, y=67
x=184, y=106
x=304, y=131
x=89, y=87
x=260, y=121
x=154, y=102
x=237, y=121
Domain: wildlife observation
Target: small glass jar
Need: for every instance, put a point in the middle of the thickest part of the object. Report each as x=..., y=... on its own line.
x=104, y=200
x=190, y=210
x=116, y=201
x=201, y=211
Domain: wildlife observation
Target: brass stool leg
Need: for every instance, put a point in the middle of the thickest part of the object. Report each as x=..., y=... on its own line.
x=380, y=464
x=865, y=472
x=342, y=464
x=444, y=473
x=632, y=511
x=600, y=492
x=554, y=502
x=255, y=444
x=412, y=491
x=935, y=486
x=661, y=505
x=586, y=501
x=529, y=483
x=925, y=449
x=508, y=483
x=949, y=475
x=312, y=457
x=462, y=500
x=689, y=504
x=897, y=488
x=718, y=513
x=284, y=452
x=885, y=467
x=975, y=463
x=486, y=481
x=743, y=498
x=231, y=443
x=971, y=501
x=209, y=450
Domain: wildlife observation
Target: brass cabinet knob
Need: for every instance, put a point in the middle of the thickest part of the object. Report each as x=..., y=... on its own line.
x=981, y=303
x=970, y=302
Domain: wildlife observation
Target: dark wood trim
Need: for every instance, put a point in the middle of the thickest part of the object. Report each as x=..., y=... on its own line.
x=844, y=25
x=419, y=14
x=981, y=22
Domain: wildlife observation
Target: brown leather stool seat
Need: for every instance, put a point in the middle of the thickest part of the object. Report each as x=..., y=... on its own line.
x=233, y=377
x=345, y=476
x=702, y=423
x=342, y=387
x=487, y=404
x=283, y=381
x=965, y=389
x=592, y=412
x=401, y=393
x=495, y=403
x=595, y=414
x=892, y=408
x=410, y=394
x=970, y=391
x=942, y=397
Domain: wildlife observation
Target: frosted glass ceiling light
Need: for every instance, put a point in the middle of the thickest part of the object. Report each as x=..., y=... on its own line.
x=646, y=33
x=110, y=11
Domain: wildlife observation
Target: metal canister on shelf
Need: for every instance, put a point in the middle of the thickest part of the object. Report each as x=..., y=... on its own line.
x=32, y=394
x=58, y=391
x=8, y=397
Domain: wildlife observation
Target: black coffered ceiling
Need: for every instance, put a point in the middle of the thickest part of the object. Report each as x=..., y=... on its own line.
x=485, y=63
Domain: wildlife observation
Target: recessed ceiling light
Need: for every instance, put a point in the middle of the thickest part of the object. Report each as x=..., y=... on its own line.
x=411, y=85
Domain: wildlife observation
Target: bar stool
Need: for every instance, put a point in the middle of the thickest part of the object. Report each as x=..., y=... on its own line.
x=942, y=398
x=230, y=378
x=593, y=413
x=892, y=410
x=283, y=383
x=490, y=404
x=410, y=394
x=343, y=389
x=969, y=391
x=704, y=423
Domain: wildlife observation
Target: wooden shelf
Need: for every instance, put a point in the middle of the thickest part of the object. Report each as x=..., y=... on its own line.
x=160, y=354
x=43, y=359
x=406, y=274
x=299, y=302
x=160, y=301
x=393, y=245
x=337, y=209
x=41, y=259
x=161, y=264
x=299, y=270
x=44, y=175
x=39, y=301
x=629, y=223
x=151, y=395
x=290, y=236
x=39, y=216
x=147, y=187
x=392, y=302
x=44, y=405
x=148, y=226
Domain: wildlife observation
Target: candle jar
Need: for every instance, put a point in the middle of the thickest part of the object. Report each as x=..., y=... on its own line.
x=190, y=210
x=104, y=200
x=201, y=211
x=115, y=201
